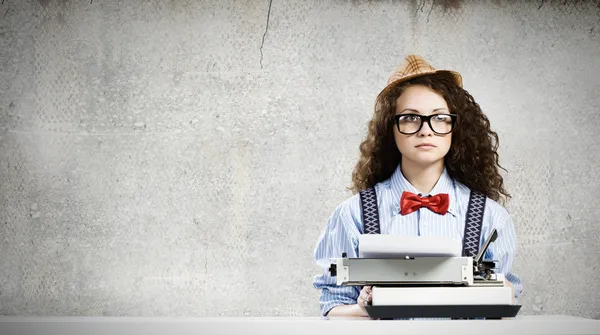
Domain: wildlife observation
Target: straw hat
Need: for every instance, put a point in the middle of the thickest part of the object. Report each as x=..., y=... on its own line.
x=412, y=67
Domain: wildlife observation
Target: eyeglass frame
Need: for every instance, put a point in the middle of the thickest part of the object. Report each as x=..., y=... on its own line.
x=426, y=118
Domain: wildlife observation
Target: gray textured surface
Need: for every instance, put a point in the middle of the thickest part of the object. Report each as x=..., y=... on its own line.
x=524, y=324
x=160, y=159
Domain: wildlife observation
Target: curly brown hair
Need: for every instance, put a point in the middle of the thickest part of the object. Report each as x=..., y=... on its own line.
x=472, y=159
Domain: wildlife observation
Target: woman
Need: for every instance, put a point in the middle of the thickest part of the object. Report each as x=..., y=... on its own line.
x=428, y=137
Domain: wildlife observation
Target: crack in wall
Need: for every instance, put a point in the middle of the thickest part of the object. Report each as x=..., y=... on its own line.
x=265, y=33
x=430, y=10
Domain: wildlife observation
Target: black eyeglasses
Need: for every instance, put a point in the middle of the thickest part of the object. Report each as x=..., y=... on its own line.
x=409, y=124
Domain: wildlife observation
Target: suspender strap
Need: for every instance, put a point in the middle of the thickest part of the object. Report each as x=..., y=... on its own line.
x=370, y=211
x=473, y=223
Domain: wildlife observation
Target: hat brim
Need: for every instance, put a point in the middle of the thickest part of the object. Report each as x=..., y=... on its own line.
x=456, y=77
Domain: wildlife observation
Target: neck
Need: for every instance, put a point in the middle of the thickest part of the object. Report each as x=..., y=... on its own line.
x=422, y=177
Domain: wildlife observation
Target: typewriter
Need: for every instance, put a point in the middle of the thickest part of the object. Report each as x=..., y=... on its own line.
x=414, y=285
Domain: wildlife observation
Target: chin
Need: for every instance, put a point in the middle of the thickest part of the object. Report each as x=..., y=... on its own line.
x=426, y=160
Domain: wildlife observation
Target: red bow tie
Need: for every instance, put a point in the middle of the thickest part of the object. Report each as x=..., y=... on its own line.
x=410, y=202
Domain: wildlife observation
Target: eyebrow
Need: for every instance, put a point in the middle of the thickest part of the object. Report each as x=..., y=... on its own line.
x=416, y=111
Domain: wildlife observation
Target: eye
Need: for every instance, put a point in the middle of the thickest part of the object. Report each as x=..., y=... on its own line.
x=441, y=118
x=409, y=118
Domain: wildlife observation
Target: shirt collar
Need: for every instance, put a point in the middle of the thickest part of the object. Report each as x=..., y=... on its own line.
x=400, y=184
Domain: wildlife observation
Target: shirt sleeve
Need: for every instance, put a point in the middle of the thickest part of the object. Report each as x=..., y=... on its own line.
x=339, y=236
x=503, y=250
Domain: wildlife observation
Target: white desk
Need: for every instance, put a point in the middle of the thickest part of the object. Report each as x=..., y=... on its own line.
x=554, y=325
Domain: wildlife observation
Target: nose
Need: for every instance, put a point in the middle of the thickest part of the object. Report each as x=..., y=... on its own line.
x=425, y=130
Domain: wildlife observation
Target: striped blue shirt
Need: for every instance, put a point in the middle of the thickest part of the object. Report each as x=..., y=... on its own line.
x=345, y=225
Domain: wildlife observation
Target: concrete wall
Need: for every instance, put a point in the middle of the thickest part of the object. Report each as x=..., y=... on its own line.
x=182, y=157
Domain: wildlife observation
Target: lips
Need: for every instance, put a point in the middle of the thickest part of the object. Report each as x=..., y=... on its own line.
x=425, y=145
